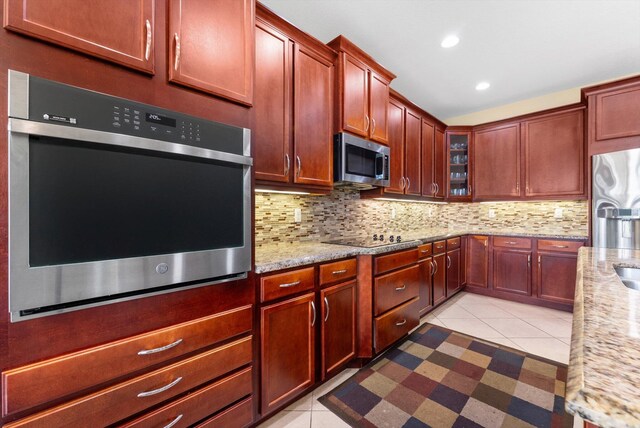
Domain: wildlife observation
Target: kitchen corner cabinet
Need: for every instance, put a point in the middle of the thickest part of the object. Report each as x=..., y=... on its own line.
x=496, y=162
x=211, y=47
x=363, y=92
x=477, y=265
x=458, y=166
x=292, y=114
x=124, y=34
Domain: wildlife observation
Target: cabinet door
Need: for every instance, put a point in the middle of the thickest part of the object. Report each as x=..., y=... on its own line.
x=463, y=260
x=378, y=107
x=512, y=271
x=554, y=155
x=496, y=163
x=453, y=271
x=439, y=162
x=396, y=147
x=355, y=96
x=428, y=141
x=478, y=261
x=425, y=291
x=412, y=143
x=313, y=135
x=439, y=278
x=211, y=44
x=614, y=119
x=338, y=331
x=287, y=349
x=556, y=276
x=272, y=105
x=122, y=34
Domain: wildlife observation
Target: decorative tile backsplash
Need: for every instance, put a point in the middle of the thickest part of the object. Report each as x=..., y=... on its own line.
x=343, y=213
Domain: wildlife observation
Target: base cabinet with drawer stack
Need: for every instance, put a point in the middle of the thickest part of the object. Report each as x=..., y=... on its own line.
x=297, y=307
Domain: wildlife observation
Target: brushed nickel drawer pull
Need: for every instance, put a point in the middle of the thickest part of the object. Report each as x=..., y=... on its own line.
x=299, y=166
x=424, y=251
x=326, y=305
x=432, y=268
x=511, y=242
x=403, y=322
x=173, y=422
x=339, y=272
x=290, y=284
x=313, y=321
x=373, y=126
x=401, y=288
x=286, y=169
x=529, y=260
x=560, y=246
x=160, y=349
x=366, y=127
x=147, y=50
x=408, y=183
x=448, y=262
x=159, y=390
x=435, y=263
x=176, y=60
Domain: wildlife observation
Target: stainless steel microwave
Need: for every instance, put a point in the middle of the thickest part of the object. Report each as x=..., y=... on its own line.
x=360, y=162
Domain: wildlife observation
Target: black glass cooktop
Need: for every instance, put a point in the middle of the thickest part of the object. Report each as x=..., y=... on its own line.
x=368, y=242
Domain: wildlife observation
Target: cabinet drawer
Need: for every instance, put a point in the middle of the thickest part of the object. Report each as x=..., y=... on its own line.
x=198, y=405
x=337, y=271
x=395, y=288
x=396, y=323
x=121, y=400
x=439, y=247
x=286, y=284
x=558, y=245
x=394, y=261
x=453, y=243
x=425, y=250
x=511, y=242
x=39, y=383
x=239, y=415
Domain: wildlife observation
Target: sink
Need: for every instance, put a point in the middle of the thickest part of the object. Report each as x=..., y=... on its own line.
x=629, y=276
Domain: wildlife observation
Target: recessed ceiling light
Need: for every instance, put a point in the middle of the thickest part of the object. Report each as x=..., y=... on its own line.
x=482, y=86
x=450, y=41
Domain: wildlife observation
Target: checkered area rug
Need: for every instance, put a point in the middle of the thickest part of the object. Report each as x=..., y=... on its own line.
x=441, y=378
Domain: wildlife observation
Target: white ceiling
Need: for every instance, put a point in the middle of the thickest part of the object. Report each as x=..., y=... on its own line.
x=524, y=48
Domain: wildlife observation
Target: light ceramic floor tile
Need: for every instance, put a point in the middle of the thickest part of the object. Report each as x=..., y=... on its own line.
x=504, y=341
x=529, y=311
x=289, y=419
x=437, y=321
x=513, y=327
x=469, y=299
x=302, y=404
x=454, y=311
x=330, y=385
x=565, y=315
x=556, y=327
x=487, y=310
x=472, y=327
x=326, y=419
x=549, y=347
x=566, y=340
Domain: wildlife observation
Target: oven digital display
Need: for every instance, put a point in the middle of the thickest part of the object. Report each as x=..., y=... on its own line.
x=161, y=120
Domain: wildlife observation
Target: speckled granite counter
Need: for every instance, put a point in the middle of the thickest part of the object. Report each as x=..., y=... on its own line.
x=278, y=256
x=603, y=385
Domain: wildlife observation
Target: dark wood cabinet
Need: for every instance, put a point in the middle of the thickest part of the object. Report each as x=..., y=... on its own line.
x=355, y=116
x=287, y=349
x=439, y=278
x=412, y=161
x=396, y=147
x=453, y=272
x=458, y=171
x=378, y=107
x=428, y=157
x=426, y=285
x=496, y=162
x=512, y=270
x=556, y=270
x=439, y=161
x=477, y=261
x=124, y=34
x=338, y=331
x=211, y=47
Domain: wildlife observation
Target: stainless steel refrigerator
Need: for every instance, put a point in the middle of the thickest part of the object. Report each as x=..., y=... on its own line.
x=615, y=214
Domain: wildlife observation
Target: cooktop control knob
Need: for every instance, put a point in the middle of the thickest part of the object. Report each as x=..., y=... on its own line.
x=398, y=238
x=391, y=238
x=375, y=236
x=381, y=237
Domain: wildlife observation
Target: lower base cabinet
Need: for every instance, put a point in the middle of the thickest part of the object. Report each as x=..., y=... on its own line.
x=454, y=282
x=337, y=331
x=556, y=271
x=512, y=271
x=439, y=278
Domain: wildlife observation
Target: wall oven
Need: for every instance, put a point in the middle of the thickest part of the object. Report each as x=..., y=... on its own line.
x=110, y=199
x=360, y=162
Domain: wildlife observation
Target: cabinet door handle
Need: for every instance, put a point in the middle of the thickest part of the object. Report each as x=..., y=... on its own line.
x=437, y=188
x=147, y=51
x=448, y=262
x=159, y=390
x=518, y=187
x=435, y=263
x=173, y=422
x=288, y=164
x=469, y=189
x=560, y=246
x=326, y=305
x=401, y=288
x=338, y=272
x=299, y=166
x=160, y=349
x=176, y=60
x=313, y=308
x=538, y=260
x=402, y=183
x=403, y=322
x=366, y=126
x=373, y=126
x=408, y=183
x=290, y=284
x=432, y=271
x=433, y=188
x=529, y=260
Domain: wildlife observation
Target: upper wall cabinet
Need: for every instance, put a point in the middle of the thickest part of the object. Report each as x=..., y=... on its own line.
x=122, y=34
x=211, y=46
x=614, y=116
x=362, y=92
x=496, y=162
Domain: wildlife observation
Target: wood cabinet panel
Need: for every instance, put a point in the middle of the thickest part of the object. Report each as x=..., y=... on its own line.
x=287, y=350
x=239, y=415
x=124, y=34
x=337, y=271
x=463, y=260
x=378, y=107
x=428, y=154
x=556, y=276
x=618, y=113
x=453, y=271
x=439, y=278
x=425, y=291
x=286, y=284
x=355, y=95
x=338, y=331
x=272, y=108
x=412, y=143
x=512, y=271
x=212, y=46
x=439, y=247
x=396, y=323
x=395, y=288
x=393, y=261
x=496, y=162
x=554, y=155
x=396, y=147
x=439, y=164
x=425, y=250
x=559, y=245
x=478, y=261
x=38, y=383
x=313, y=109
x=512, y=242
x=453, y=243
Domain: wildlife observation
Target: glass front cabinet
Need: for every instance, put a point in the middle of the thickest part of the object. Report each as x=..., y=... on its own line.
x=458, y=165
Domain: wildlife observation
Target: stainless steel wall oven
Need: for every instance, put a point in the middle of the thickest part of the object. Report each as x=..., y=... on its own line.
x=110, y=199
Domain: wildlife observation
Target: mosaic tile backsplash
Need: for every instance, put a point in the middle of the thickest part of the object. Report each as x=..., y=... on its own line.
x=343, y=213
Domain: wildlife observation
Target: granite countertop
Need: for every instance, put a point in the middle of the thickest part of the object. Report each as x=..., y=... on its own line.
x=603, y=384
x=278, y=256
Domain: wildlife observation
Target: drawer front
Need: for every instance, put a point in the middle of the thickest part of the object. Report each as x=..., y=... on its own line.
x=396, y=323
x=395, y=288
x=393, y=261
x=512, y=242
x=439, y=247
x=338, y=271
x=425, y=250
x=286, y=284
x=558, y=245
x=127, y=398
x=198, y=405
x=453, y=243
x=39, y=383
x=239, y=415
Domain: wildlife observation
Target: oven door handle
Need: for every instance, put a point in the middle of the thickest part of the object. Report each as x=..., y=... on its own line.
x=21, y=126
